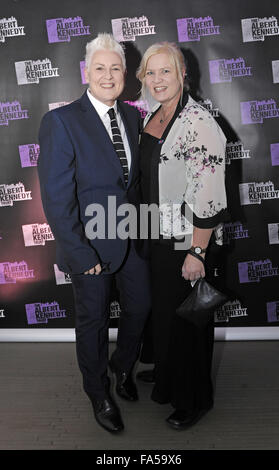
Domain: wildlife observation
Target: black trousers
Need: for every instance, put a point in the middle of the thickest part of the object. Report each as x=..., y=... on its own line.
x=182, y=352
x=92, y=298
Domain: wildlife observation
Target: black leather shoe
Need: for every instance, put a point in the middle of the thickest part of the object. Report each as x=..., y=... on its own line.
x=125, y=385
x=108, y=415
x=181, y=419
x=146, y=376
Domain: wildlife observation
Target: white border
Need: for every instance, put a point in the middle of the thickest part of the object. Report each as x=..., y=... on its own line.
x=53, y=335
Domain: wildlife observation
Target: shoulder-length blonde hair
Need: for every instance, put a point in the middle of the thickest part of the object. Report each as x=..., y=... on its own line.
x=175, y=55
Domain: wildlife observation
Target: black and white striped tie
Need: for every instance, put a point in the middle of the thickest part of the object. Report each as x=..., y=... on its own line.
x=118, y=144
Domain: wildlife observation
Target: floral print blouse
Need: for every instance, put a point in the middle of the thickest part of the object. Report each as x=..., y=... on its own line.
x=192, y=173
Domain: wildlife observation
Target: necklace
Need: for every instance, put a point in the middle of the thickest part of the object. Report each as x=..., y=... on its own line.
x=163, y=119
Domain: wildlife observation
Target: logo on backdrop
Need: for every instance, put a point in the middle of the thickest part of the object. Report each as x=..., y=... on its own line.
x=82, y=67
x=192, y=29
x=272, y=309
x=31, y=71
x=62, y=29
x=254, y=193
x=275, y=71
x=36, y=234
x=207, y=104
x=254, y=271
x=256, y=29
x=273, y=233
x=10, y=193
x=11, y=112
x=224, y=70
x=2, y=313
x=11, y=272
x=126, y=29
x=29, y=154
x=254, y=112
x=60, y=277
x=274, y=151
x=236, y=151
x=234, y=231
x=41, y=313
x=9, y=28
x=232, y=309
x=141, y=105
x=59, y=104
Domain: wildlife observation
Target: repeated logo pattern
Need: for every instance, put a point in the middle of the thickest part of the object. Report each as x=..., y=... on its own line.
x=230, y=76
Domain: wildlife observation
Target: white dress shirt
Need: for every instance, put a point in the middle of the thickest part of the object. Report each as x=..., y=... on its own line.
x=102, y=110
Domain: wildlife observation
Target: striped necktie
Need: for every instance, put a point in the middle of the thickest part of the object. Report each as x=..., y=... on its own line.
x=118, y=144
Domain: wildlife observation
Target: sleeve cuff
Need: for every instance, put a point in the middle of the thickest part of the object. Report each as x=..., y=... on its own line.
x=211, y=222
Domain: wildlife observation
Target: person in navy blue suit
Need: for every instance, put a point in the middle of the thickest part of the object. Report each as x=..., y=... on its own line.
x=88, y=155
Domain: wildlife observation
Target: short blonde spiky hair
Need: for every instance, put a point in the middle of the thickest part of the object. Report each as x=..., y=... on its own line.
x=175, y=55
x=104, y=41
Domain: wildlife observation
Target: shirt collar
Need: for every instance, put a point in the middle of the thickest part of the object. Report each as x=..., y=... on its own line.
x=100, y=107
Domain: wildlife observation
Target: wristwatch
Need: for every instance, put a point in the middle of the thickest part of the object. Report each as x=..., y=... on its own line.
x=198, y=250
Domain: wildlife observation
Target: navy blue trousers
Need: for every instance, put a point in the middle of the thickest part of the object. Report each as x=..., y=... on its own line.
x=92, y=294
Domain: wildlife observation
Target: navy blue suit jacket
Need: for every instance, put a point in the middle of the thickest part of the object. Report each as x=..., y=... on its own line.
x=78, y=166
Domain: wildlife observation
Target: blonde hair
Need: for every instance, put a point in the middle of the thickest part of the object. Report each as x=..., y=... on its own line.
x=104, y=41
x=174, y=53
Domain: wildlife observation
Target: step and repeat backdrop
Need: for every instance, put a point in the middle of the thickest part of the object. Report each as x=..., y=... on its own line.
x=232, y=55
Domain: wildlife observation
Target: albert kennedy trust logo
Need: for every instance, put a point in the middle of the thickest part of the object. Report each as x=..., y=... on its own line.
x=42, y=312
x=256, y=29
x=272, y=309
x=62, y=29
x=10, y=193
x=192, y=29
x=9, y=28
x=37, y=234
x=254, y=271
x=10, y=273
x=11, y=111
x=254, y=193
x=31, y=71
x=29, y=154
x=254, y=112
x=126, y=29
x=275, y=70
x=236, y=151
x=224, y=70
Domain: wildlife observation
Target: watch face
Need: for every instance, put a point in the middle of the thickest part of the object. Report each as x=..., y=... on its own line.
x=198, y=250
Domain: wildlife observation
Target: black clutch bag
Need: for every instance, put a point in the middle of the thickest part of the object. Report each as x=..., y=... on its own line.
x=199, y=306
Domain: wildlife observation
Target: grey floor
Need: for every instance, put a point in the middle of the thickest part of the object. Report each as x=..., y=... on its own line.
x=42, y=405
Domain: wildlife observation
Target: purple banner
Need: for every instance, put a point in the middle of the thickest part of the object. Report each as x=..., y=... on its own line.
x=254, y=112
x=234, y=231
x=192, y=29
x=274, y=151
x=42, y=312
x=29, y=154
x=224, y=70
x=62, y=29
x=254, y=271
x=272, y=309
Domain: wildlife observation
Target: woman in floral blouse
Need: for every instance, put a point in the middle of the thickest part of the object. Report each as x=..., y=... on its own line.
x=183, y=172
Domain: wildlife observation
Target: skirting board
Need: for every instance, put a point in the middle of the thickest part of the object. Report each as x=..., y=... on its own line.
x=68, y=334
